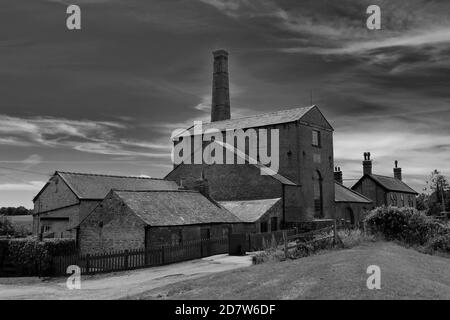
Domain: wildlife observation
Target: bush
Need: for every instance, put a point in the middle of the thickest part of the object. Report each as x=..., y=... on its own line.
x=352, y=238
x=439, y=243
x=404, y=224
x=6, y=227
x=31, y=257
x=409, y=226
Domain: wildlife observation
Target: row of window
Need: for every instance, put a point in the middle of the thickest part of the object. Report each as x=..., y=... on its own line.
x=273, y=225
x=403, y=201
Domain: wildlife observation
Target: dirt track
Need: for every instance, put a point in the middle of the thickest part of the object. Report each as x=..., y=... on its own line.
x=119, y=285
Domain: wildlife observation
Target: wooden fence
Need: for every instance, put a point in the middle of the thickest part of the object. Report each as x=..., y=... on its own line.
x=140, y=258
x=303, y=239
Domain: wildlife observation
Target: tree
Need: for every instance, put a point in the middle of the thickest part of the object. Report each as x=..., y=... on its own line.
x=12, y=211
x=437, y=186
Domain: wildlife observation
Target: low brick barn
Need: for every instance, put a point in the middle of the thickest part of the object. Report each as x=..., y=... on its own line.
x=257, y=216
x=127, y=220
x=68, y=197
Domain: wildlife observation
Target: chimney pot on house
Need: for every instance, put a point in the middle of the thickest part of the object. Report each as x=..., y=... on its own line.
x=367, y=164
x=338, y=175
x=220, y=106
x=397, y=171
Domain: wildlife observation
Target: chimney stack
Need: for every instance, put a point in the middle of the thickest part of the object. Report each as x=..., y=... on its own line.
x=397, y=171
x=338, y=175
x=367, y=164
x=201, y=185
x=220, y=107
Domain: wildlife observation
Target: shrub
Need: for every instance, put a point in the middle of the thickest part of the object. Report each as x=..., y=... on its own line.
x=440, y=243
x=6, y=227
x=30, y=257
x=352, y=238
x=409, y=226
x=404, y=224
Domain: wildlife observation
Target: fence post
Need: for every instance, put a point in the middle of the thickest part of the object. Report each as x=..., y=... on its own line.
x=125, y=263
x=334, y=232
x=285, y=244
x=88, y=263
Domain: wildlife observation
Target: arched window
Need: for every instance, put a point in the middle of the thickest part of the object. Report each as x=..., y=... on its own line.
x=318, y=197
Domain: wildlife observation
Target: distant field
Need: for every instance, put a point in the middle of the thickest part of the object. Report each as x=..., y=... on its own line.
x=21, y=221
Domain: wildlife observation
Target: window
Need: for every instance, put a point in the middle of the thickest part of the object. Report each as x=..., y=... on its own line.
x=316, y=138
x=273, y=224
x=403, y=200
x=318, y=198
x=264, y=227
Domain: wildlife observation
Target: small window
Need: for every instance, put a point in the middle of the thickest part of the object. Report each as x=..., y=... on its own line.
x=264, y=227
x=316, y=138
x=273, y=224
x=403, y=200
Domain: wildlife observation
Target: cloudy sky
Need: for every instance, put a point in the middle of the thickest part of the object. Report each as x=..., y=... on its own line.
x=105, y=99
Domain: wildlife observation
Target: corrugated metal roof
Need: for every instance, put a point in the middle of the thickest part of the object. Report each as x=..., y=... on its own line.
x=260, y=120
x=249, y=210
x=392, y=184
x=172, y=208
x=95, y=186
x=344, y=194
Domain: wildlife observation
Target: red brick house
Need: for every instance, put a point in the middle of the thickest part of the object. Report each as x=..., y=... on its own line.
x=383, y=190
x=142, y=219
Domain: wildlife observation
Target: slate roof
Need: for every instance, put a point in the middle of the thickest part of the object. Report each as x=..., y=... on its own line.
x=255, y=121
x=96, y=186
x=389, y=183
x=173, y=208
x=344, y=194
x=249, y=210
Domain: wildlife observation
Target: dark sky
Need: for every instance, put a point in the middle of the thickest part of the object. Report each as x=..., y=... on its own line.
x=106, y=98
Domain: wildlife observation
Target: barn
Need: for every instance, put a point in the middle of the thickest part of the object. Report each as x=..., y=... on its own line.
x=68, y=197
x=127, y=220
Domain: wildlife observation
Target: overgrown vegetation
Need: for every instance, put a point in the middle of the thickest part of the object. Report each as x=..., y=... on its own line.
x=13, y=230
x=411, y=227
x=30, y=257
x=275, y=252
x=353, y=237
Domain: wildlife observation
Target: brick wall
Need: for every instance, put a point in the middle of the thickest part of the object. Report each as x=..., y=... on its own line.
x=111, y=226
x=298, y=161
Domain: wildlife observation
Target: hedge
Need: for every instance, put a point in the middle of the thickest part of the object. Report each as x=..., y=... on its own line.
x=410, y=226
x=30, y=257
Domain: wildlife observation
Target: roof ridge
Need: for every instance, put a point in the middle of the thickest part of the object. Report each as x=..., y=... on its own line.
x=135, y=191
x=107, y=175
x=262, y=114
x=355, y=192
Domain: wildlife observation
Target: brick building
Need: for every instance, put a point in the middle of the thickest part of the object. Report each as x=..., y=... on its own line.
x=68, y=197
x=383, y=190
x=305, y=156
x=142, y=219
x=351, y=206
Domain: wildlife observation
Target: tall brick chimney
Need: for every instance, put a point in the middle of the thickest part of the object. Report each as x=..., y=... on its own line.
x=220, y=107
x=338, y=175
x=367, y=164
x=397, y=171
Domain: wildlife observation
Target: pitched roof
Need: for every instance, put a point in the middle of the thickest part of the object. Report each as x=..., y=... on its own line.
x=249, y=160
x=172, y=208
x=250, y=210
x=255, y=121
x=344, y=194
x=96, y=186
x=389, y=183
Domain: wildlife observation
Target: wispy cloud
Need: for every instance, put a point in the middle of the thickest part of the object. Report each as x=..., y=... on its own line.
x=99, y=137
x=29, y=186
